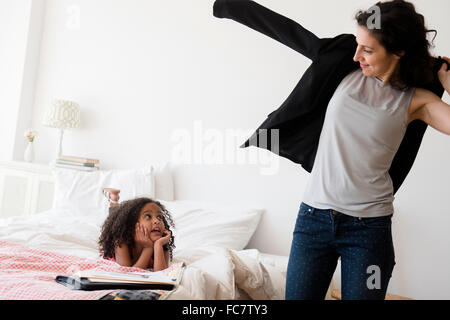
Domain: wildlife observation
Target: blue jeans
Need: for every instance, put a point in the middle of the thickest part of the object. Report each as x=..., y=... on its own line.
x=321, y=237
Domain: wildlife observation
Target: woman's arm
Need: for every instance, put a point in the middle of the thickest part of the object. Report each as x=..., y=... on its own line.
x=270, y=23
x=444, y=74
x=432, y=110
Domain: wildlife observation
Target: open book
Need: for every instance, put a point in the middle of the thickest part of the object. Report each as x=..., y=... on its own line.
x=166, y=279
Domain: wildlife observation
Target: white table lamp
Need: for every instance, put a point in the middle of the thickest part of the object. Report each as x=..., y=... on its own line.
x=62, y=114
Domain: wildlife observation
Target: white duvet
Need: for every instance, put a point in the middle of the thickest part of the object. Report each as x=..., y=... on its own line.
x=211, y=272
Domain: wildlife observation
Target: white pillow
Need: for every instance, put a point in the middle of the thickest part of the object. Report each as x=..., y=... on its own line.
x=200, y=224
x=133, y=183
x=81, y=192
x=164, y=186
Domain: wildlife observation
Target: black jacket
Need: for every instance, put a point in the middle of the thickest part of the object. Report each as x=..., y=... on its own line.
x=300, y=118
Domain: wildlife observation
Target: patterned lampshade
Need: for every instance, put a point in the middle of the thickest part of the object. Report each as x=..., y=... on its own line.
x=63, y=114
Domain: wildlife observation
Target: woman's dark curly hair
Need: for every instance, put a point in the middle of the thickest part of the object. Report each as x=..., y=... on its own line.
x=403, y=29
x=119, y=226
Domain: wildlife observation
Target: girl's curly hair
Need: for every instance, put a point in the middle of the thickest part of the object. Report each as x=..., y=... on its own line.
x=403, y=29
x=119, y=226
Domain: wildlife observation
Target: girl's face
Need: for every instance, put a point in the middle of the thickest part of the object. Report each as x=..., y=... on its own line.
x=151, y=218
x=374, y=60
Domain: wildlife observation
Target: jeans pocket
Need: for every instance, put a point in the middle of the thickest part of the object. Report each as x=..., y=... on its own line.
x=384, y=222
x=304, y=209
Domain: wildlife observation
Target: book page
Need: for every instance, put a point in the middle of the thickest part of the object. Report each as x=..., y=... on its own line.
x=167, y=276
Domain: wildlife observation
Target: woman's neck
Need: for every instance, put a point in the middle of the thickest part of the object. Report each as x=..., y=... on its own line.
x=390, y=75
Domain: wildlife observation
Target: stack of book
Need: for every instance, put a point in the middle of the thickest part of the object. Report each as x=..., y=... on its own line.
x=77, y=163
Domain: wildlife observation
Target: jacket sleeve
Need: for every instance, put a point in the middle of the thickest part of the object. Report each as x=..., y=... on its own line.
x=270, y=23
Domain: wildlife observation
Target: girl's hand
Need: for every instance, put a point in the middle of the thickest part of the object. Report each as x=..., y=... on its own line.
x=142, y=236
x=444, y=75
x=166, y=234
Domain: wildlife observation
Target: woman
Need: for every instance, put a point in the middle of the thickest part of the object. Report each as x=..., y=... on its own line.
x=348, y=202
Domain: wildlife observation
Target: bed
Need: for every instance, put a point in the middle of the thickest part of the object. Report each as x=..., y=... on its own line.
x=210, y=239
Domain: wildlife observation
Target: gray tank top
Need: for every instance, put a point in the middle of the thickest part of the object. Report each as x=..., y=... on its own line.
x=364, y=125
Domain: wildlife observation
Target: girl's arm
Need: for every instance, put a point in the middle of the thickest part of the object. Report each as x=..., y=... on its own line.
x=145, y=251
x=161, y=257
x=270, y=23
x=123, y=257
x=159, y=262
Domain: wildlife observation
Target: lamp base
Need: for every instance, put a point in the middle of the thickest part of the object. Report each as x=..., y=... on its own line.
x=60, y=140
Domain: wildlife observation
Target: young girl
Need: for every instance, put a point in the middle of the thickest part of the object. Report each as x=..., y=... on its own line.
x=137, y=233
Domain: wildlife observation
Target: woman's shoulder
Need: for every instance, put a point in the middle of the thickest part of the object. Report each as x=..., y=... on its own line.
x=422, y=96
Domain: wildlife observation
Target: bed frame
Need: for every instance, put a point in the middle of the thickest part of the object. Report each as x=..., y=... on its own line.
x=25, y=188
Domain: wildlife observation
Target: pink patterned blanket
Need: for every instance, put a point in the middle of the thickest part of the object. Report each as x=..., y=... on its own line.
x=29, y=274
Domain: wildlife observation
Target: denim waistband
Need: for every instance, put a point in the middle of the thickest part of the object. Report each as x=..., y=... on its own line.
x=336, y=213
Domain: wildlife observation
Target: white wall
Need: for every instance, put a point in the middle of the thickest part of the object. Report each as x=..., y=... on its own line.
x=14, y=18
x=150, y=75
x=20, y=39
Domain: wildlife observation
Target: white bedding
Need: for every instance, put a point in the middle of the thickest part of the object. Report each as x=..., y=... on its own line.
x=212, y=272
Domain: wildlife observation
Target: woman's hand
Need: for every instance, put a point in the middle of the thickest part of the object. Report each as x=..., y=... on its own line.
x=166, y=234
x=444, y=75
x=142, y=236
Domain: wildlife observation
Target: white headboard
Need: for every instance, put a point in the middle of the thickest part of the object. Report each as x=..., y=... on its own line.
x=25, y=188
